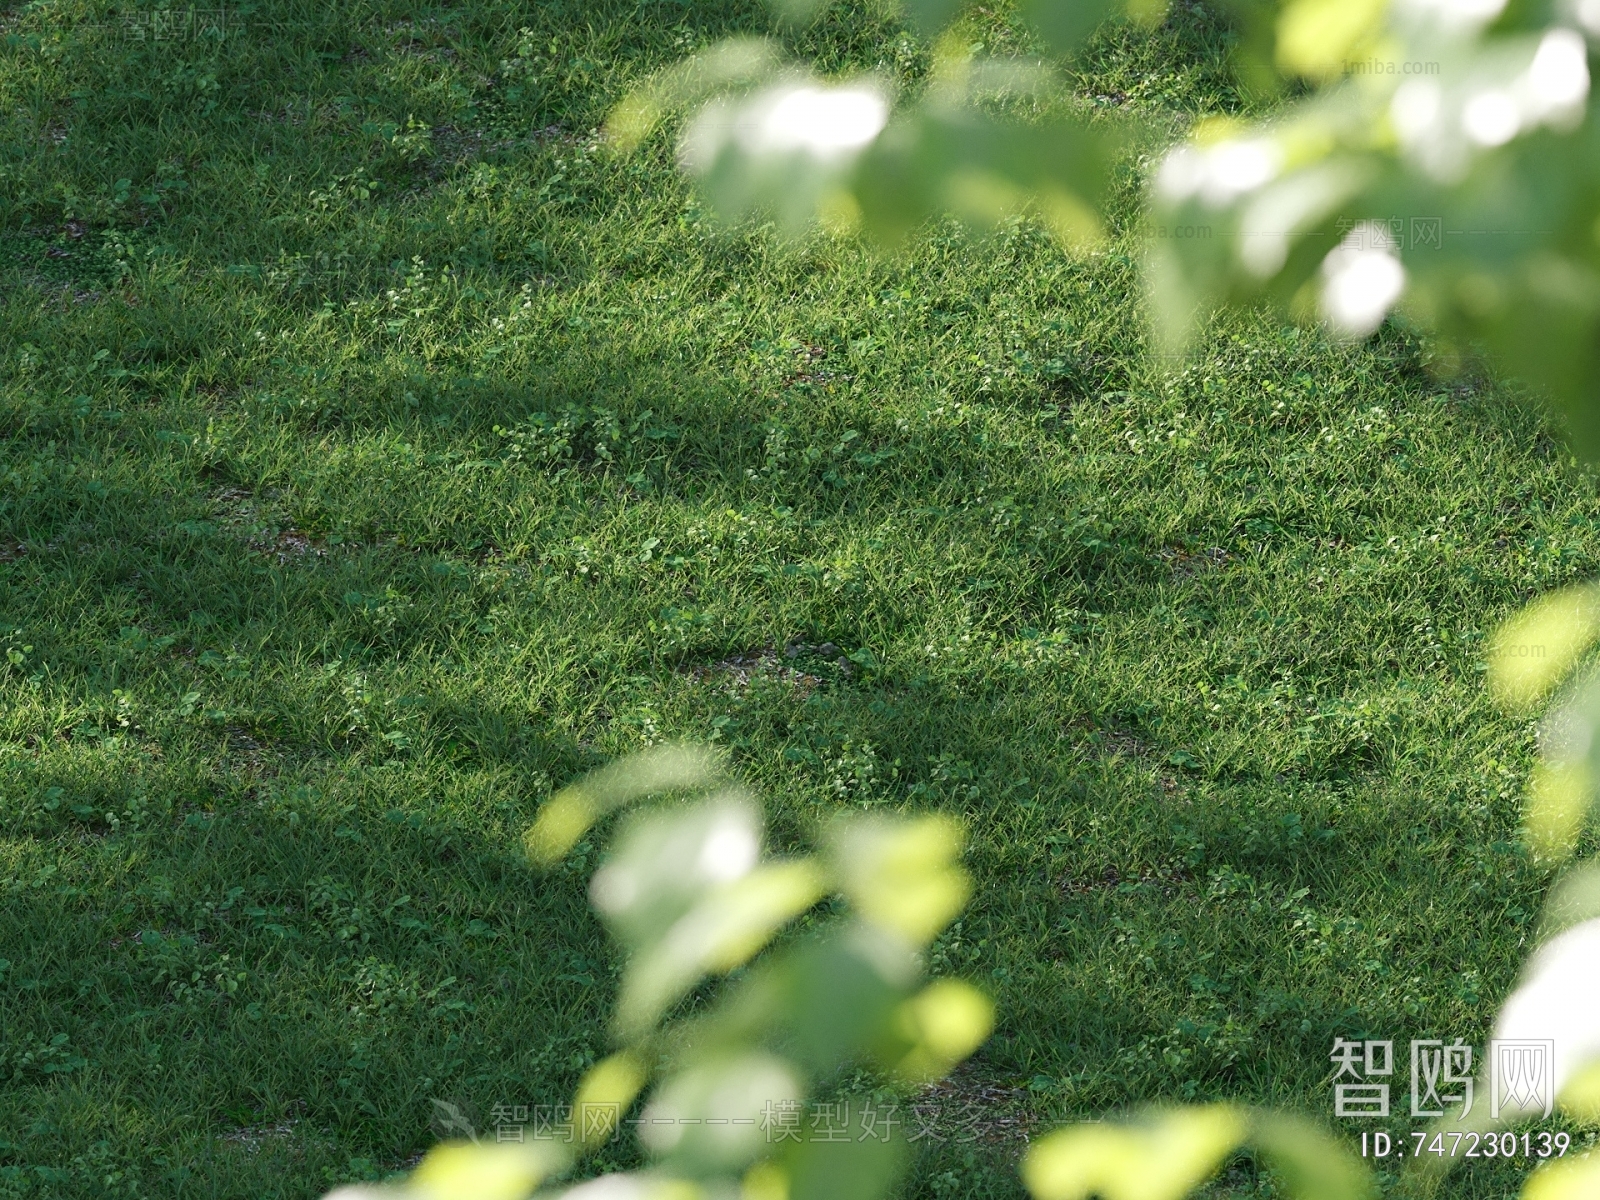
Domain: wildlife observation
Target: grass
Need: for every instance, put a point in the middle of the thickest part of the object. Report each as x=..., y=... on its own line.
x=381, y=451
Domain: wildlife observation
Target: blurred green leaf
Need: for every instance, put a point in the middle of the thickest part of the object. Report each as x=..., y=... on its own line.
x=1162, y=1158
x=1573, y=900
x=902, y=875
x=566, y=816
x=666, y=860
x=1065, y=24
x=945, y=1022
x=1580, y=1098
x=1538, y=647
x=862, y=1166
x=716, y=1114
x=1576, y=1179
x=721, y=932
x=474, y=1171
x=786, y=150
x=823, y=1003
x=605, y=1094
x=1084, y=1161
x=1317, y=38
x=732, y=63
x=1311, y=1164
x=636, y=1185
x=1560, y=795
x=984, y=170
x=1561, y=792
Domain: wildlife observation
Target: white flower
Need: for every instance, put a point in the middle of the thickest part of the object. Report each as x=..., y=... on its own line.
x=1455, y=14
x=730, y=851
x=1416, y=106
x=1491, y=118
x=1218, y=174
x=1557, y=1001
x=1587, y=13
x=1361, y=279
x=824, y=123
x=1557, y=82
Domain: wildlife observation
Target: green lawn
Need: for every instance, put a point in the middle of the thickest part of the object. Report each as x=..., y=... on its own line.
x=380, y=451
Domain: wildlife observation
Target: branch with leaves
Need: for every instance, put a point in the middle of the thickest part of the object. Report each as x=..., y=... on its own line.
x=689, y=892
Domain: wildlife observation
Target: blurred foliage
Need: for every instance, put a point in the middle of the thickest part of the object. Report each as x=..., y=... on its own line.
x=689, y=892
x=1436, y=154
x=1173, y=1153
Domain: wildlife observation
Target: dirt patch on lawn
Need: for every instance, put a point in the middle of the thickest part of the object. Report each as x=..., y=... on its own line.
x=797, y=666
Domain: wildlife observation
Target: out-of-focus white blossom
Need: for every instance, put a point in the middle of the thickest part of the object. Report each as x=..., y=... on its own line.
x=1505, y=94
x=1557, y=81
x=1587, y=14
x=1453, y=15
x=1218, y=174
x=1557, y=1001
x=715, y=1110
x=1491, y=118
x=1361, y=279
x=821, y=121
x=828, y=124
x=730, y=851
